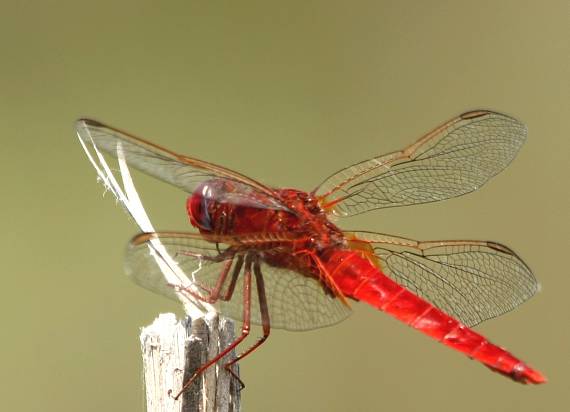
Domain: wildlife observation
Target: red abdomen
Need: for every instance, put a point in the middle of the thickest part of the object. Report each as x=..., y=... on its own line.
x=358, y=278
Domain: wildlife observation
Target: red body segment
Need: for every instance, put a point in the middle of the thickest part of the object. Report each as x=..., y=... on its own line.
x=359, y=279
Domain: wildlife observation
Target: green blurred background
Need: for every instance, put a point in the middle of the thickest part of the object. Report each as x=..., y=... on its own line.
x=286, y=92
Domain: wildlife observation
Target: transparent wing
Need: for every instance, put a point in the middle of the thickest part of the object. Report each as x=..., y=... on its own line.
x=454, y=159
x=295, y=302
x=143, y=269
x=470, y=280
x=179, y=170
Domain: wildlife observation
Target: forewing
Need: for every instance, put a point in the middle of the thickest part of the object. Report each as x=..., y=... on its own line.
x=179, y=170
x=454, y=159
x=295, y=302
x=470, y=280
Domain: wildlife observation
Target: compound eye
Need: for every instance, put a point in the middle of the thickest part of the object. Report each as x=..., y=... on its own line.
x=197, y=207
x=206, y=218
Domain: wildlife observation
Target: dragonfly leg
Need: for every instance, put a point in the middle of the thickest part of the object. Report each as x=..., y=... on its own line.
x=227, y=255
x=244, y=328
x=222, y=255
x=214, y=293
x=231, y=287
x=265, y=321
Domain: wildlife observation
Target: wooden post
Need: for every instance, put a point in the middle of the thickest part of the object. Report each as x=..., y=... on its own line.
x=172, y=350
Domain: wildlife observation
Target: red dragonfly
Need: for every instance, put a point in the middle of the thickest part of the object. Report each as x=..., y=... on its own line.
x=303, y=270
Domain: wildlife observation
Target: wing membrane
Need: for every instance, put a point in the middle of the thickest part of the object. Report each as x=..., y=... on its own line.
x=179, y=170
x=295, y=302
x=470, y=280
x=454, y=159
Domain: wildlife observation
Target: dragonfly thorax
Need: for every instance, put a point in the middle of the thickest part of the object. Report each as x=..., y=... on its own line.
x=227, y=207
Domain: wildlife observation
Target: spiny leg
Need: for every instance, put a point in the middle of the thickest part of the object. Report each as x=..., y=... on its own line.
x=265, y=321
x=214, y=294
x=244, y=329
x=231, y=287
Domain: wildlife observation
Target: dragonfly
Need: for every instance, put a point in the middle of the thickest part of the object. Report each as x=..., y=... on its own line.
x=273, y=256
